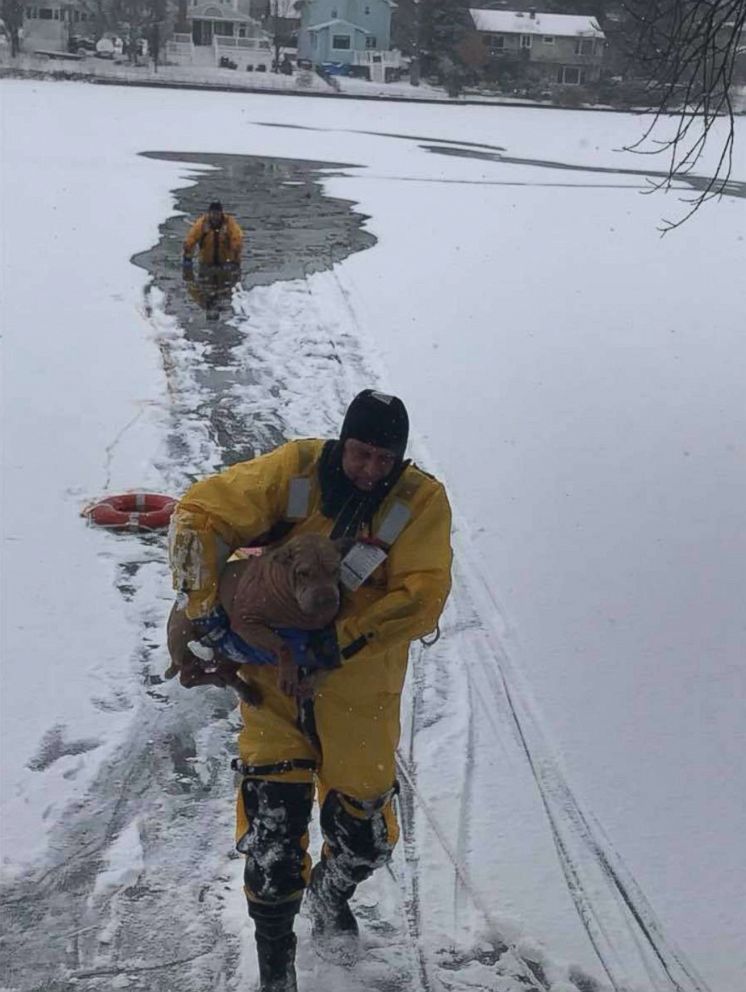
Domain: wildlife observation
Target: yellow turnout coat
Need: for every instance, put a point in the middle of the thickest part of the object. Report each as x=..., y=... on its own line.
x=216, y=246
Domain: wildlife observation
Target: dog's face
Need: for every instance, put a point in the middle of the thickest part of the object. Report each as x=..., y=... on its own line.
x=313, y=564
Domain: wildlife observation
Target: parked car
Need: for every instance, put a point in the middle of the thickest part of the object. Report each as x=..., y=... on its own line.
x=226, y=63
x=109, y=48
x=335, y=68
x=78, y=45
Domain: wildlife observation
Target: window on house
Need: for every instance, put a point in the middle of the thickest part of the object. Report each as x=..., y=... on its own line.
x=371, y=41
x=571, y=75
x=341, y=42
x=56, y=13
x=584, y=46
x=46, y=14
x=548, y=39
x=526, y=40
x=334, y=13
x=367, y=9
x=496, y=43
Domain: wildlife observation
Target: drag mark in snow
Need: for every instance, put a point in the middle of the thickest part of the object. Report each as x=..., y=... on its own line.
x=589, y=866
x=527, y=970
x=111, y=447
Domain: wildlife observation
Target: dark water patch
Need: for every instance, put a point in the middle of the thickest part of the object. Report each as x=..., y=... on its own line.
x=291, y=228
x=383, y=134
x=494, y=153
x=697, y=183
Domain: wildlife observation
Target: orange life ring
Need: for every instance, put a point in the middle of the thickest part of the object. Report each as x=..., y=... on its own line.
x=132, y=511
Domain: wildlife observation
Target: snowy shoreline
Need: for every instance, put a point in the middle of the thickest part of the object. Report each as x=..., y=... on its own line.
x=155, y=81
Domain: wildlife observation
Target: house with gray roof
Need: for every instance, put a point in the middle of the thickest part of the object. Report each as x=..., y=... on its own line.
x=565, y=49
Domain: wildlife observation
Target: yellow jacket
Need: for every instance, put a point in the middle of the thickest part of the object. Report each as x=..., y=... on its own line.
x=216, y=246
x=401, y=601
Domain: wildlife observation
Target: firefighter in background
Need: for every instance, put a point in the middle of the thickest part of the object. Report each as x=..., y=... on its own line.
x=343, y=740
x=218, y=237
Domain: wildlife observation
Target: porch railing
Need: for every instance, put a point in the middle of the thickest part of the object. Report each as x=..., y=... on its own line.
x=240, y=44
x=373, y=56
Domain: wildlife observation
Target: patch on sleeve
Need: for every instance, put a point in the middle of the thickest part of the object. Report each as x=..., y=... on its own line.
x=187, y=556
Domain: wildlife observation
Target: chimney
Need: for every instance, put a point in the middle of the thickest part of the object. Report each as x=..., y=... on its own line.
x=532, y=13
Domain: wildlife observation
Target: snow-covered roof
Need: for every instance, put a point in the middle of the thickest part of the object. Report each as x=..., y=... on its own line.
x=517, y=22
x=210, y=12
x=299, y=4
x=334, y=23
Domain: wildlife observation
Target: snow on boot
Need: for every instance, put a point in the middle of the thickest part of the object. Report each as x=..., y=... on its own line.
x=334, y=929
x=275, y=945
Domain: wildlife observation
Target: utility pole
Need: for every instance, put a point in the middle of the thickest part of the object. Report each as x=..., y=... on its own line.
x=415, y=66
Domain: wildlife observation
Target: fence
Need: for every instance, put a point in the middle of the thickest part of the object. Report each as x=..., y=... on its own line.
x=180, y=49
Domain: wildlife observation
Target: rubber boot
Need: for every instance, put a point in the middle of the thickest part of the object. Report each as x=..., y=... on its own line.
x=275, y=945
x=334, y=928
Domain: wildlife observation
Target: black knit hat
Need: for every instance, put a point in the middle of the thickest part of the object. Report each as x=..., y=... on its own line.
x=378, y=419
x=216, y=205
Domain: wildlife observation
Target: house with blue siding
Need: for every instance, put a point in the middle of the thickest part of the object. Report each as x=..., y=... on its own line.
x=355, y=32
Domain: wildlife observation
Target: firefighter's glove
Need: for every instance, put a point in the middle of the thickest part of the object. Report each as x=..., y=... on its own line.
x=192, y=673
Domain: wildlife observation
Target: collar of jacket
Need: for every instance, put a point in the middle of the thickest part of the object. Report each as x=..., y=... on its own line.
x=348, y=507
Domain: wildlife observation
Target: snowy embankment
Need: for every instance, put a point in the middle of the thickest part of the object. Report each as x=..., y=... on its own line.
x=577, y=382
x=146, y=74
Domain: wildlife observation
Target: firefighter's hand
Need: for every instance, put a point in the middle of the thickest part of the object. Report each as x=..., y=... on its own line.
x=184, y=663
x=192, y=673
x=180, y=631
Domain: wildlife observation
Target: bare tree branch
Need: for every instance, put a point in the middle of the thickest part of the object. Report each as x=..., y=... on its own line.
x=687, y=50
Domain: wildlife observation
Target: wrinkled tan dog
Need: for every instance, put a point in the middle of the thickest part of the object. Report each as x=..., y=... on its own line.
x=294, y=585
